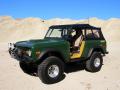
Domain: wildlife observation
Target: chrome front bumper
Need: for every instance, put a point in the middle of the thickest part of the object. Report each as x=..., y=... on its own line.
x=13, y=51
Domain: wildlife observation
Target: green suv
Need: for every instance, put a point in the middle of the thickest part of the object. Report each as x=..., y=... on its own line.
x=62, y=44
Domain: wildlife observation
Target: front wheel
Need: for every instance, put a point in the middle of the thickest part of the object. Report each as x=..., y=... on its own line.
x=51, y=70
x=95, y=62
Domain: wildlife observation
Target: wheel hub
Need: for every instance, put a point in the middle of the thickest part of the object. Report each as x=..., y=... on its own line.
x=97, y=62
x=53, y=71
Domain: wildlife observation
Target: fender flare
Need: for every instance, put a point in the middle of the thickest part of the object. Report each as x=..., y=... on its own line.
x=99, y=49
x=47, y=51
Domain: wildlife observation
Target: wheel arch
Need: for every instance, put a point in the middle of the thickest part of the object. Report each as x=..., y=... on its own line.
x=96, y=49
x=50, y=52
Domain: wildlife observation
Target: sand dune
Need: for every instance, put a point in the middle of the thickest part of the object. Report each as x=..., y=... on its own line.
x=28, y=28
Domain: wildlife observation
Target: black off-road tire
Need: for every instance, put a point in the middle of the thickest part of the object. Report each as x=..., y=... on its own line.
x=90, y=66
x=28, y=68
x=43, y=70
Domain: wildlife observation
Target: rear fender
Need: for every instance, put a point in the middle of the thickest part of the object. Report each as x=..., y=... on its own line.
x=97, y=49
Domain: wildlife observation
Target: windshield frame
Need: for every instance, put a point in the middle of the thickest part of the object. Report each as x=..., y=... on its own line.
x=50, y=31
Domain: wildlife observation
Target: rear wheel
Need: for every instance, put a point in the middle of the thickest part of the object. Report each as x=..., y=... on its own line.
x=95, y=62
x=51, y=70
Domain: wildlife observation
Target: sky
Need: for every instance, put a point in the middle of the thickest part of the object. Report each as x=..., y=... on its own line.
x=73, y=9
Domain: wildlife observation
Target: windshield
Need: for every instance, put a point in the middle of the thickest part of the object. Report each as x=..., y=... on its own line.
x=56, y=33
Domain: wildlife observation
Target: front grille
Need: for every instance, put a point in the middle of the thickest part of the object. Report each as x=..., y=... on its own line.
x=20, y=54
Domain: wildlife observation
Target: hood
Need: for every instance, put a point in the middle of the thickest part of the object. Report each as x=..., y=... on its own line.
x=41, y=42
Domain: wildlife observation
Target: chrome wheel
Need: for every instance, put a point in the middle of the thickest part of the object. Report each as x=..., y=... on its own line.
x=53, y=71
x=97, y=62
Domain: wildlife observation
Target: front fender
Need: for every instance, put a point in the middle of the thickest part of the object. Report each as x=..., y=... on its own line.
x=51, y=52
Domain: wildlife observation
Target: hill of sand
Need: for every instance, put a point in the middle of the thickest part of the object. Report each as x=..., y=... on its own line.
x=12, y=77
x=29, y=28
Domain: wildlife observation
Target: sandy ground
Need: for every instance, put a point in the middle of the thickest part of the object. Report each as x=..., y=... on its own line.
x=12, y=77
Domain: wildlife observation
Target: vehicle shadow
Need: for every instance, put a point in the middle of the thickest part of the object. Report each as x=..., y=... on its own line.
x=69, y=68
x=74, y=67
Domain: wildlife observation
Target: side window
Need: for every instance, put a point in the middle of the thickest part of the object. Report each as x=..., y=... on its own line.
x=64, y=32
x=93, y=34
x=96, y=34
x=89, y=35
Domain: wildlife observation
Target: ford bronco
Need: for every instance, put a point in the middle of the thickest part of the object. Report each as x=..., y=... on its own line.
x=62, y=44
